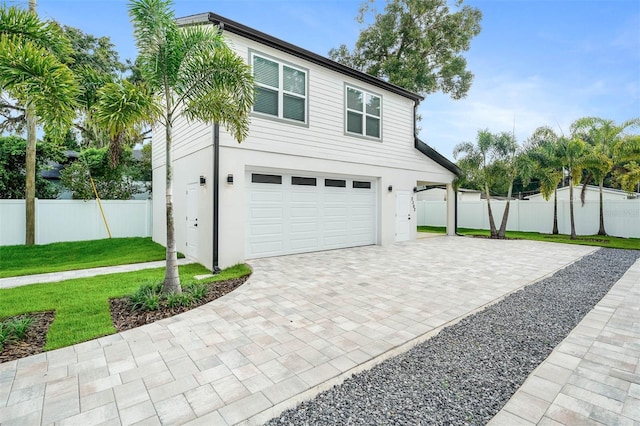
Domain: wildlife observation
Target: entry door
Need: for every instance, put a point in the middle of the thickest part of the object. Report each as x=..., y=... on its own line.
x=403, y=215
x=192, y=220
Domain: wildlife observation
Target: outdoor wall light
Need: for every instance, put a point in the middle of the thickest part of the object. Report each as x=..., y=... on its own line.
x=390, y=188
x=415, y=189
x=230, y=178
x=203, y=181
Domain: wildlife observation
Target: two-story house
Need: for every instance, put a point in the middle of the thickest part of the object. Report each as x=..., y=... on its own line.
x=332, y=161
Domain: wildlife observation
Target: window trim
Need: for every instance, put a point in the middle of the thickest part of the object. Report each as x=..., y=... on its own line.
x=363, y=112
x=281, y=92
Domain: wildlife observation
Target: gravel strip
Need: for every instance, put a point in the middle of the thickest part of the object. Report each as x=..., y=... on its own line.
x=466, y=373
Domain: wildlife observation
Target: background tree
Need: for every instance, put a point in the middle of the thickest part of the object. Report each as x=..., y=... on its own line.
x=13, y=151
x=198, y=76
x=33, y=72
x=477, y=160
x=628, y=152
x=511, y=161
x=603, y=136
x=112, y=182
x=544, y=152
x=571, y=151
x=416, y=44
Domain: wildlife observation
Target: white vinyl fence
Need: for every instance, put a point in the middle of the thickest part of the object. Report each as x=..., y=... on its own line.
x=75, y=220
x=621, y=217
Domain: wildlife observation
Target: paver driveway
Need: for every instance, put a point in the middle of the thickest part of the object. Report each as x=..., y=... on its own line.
x=300, y=324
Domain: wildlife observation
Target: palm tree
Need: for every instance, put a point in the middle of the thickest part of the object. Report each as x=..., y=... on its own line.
x=477, y=161
x=604, y=136
x=123, y=110
x=570, y=151
x=544, y=152
x=628, y=152
x=198, y=76
x=34, y=73
x=514, y=162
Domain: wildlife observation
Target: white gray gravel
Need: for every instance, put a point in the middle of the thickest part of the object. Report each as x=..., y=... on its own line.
x=466, y=373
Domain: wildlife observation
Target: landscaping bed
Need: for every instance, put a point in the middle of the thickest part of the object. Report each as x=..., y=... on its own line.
x=123, y=315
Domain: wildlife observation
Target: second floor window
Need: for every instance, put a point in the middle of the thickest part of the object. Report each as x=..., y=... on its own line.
x=363, y=113
x=281, y=89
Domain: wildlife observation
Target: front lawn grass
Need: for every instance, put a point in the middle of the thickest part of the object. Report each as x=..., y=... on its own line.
x=587, y=240
x=27, y=260
x=82, y=305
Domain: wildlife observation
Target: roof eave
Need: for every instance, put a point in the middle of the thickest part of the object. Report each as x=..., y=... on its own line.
x=283, y=46
x=437, y=157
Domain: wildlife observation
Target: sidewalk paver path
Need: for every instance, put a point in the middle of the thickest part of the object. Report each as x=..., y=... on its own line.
x=301, y=324
x=593, y=376
x=53, y=277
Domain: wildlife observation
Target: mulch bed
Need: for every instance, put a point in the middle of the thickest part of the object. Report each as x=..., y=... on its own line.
x=122, y=315
x=34, y=340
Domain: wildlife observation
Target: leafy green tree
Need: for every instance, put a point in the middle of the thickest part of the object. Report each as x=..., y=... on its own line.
x=416, y=44
x=603, y=136
x=199, y=77
x=112, y=183
x=12, y=171
x=33, y=71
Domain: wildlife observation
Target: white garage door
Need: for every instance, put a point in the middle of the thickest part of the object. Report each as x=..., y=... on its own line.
x=297, y=213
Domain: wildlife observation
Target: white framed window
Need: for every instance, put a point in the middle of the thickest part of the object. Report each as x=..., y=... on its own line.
x=281, y=89
x=363, y=113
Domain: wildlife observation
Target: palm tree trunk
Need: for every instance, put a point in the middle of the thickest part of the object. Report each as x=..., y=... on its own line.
x=171, y=278
x=30, y=171
x=601, y=231
x=492, y=224
x=555, y=213
x=30, y=167
x=573, y=222
x=505, y=214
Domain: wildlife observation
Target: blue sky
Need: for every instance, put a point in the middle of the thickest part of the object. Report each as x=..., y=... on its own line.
x=536, y=62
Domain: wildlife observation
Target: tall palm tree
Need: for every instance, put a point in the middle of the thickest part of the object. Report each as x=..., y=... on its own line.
x=544, y=152
x=33, y=72
x=477, y=160
x=628, y=152
x=571, y=151
x=198, y=76
x=603, y=135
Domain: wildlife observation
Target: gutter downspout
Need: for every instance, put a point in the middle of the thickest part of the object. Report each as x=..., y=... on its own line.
x=216, y=195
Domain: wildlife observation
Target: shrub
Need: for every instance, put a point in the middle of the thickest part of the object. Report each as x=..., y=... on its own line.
x=20, y=326
x=147, y=297
x=198, y=291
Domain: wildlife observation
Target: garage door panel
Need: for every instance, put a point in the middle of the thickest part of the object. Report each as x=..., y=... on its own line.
x=292, y=217
x=266, y=212
x=267, y=196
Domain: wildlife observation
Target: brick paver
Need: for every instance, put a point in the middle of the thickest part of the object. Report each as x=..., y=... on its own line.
x=300, y=325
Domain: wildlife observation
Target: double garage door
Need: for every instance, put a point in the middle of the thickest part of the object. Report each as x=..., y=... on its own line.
x=297, y=213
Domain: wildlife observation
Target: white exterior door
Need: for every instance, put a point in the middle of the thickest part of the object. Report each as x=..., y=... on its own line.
x=297, y=213
x=192, y=221
x=403, y=215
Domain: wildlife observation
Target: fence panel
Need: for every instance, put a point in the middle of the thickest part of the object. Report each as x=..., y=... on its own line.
x=75, y=220
x=621, y=217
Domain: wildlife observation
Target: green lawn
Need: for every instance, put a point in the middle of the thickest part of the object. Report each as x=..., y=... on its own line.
x=55, y=257
x=82, y=305
x=588, y=240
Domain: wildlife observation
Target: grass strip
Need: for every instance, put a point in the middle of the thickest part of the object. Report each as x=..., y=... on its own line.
x=82, y=305
x=587, y=240
x=38, y=259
